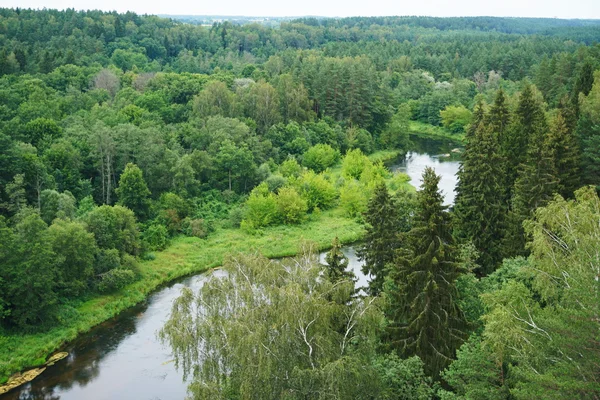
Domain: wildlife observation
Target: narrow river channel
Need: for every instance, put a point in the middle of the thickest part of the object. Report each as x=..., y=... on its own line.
x=123, y=359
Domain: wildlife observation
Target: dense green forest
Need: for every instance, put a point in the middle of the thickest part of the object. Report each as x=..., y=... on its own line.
x=122, y=134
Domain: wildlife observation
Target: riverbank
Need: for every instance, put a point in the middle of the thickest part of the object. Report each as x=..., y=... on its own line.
x=418, y=128
x=185, y=256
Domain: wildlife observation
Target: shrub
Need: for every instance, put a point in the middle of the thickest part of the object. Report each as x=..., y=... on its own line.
x=115, y=279
x=291, y=206
x=320, y=157
x=275, y=182
x=290, y=167
x=156, y=237
x=196, y=227
x=316, y=190
x=353, y=199
x=354, y=163
x=261, y=208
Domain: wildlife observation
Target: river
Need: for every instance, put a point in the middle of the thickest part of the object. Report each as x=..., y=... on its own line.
x=123, y=359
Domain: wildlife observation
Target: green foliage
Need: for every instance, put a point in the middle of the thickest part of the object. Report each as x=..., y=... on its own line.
x=291, y=206
x=354, y=163
x=320, y=157
x=115, y=279
x=56, y=205
x=337, y=263
x=316, y=190
x=114, y=228
x=155, y=237
x=290, y=168
x=456, y=118
x=425, y=318
x=75, y=249
x=383, y=226
x=261, y=208
x=403, y=379
x=353, y=199
x=306, y=346
x=133, y=192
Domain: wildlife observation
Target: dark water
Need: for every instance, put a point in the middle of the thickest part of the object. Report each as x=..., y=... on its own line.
x=123, y=359
x=434, y=153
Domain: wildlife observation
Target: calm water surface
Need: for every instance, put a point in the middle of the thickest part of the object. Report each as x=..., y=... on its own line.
x=122, y=358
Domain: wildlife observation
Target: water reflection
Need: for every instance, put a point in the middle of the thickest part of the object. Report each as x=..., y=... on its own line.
x=441, y=155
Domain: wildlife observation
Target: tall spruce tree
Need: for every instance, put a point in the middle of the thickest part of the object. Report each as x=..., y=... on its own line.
x=588, y=131
x=514, y=143
x=381, y=238
x=499, y=118
x=536, y=180
x=567, y=155
x=479, y=209
x=425, y=319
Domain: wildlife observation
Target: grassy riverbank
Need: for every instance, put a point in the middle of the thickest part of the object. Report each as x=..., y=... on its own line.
x=185, y=256
x=426, y=130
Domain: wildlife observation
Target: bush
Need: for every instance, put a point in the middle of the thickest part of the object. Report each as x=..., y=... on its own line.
x=320, y=157
x=115, y=279
x=456, y=118
x=290, y=168
x=196, y=227
x=275, y=182
x=316, y=190
x=354, y=163
x=156, y=237
x=236, y=215
x=261, y=208
x=291, y=206
x=353, y=199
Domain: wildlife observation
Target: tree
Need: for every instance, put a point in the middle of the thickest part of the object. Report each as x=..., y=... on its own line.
x=479, y=210
x=422, y=308
x=588, y=130
x=114, y=228
x=395, y=135
x=567, y=156
x=456, y=118
x=28, y=271
x=536, y=180
x=381, y=238
x=320, y=157
x=547, y=326
x=291, y=206
x=133, y=192
x=75, y=250
x=262, y=105
x=220, y=335
x=337, y=263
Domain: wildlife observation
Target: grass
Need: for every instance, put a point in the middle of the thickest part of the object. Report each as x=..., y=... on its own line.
x=183, y=257
x=427, y=130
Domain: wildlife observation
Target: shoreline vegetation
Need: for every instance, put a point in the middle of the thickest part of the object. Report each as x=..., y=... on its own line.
x=424, y=130
x=184, y=257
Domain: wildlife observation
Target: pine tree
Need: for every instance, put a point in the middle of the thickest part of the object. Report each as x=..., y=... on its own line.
x=381, y=238
x=583, y=84
x=424, y=317
x=337, y=263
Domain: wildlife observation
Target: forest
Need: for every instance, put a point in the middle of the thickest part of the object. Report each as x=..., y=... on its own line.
x=134, y=145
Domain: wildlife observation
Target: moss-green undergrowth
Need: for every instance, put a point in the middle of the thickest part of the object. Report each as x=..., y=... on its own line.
x=185, y=256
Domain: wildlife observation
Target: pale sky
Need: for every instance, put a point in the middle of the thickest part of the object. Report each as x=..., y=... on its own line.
x=588, y=9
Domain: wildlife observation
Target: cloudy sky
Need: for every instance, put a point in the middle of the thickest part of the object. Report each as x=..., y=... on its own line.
x=332, y=8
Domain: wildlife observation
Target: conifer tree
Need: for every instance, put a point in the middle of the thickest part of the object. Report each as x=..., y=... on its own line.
x=528, y=116
x=425, y=319
x=479, y=208
x=499, y=118
x=381, y=238
x=567, y=156
x=536, y=181
x=337, y=263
